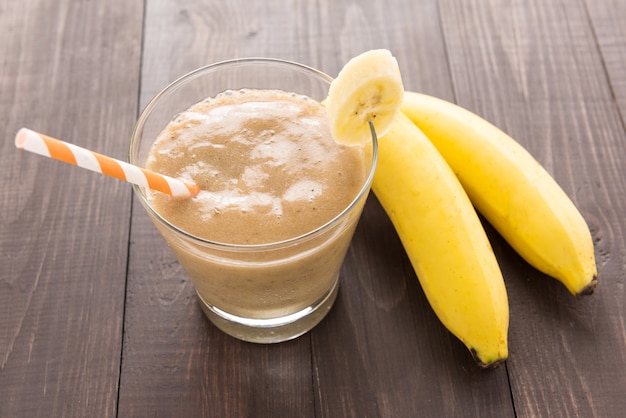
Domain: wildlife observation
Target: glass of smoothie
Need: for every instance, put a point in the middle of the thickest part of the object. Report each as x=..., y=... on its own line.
x=264, y=240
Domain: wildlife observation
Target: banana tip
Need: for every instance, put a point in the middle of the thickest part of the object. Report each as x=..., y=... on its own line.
x=589, y=289
x=487, y=365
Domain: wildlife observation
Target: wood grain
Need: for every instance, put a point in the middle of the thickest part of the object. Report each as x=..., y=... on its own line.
x=182, y=363
x=65, y=69
x=608, y=19
x=395, y=357
x=97, y=317
x=536, y=72
x=188, y=367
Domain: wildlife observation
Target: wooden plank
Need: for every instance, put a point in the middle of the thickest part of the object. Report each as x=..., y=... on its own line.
x=608, y=18
x=211, y=31
x=534, y=69
x=382, y=351
x=175, y=362
x=69, y=69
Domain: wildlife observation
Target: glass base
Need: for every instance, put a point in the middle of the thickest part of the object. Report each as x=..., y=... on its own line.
x=271, y=330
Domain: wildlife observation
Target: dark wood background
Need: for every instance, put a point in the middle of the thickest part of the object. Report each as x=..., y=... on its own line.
x=98, y=319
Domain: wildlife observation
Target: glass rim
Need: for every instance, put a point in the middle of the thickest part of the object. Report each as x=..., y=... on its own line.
x=138, y=190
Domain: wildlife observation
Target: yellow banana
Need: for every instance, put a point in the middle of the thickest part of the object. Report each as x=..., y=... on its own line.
x=432, y=214
x=444, y=239
x=511, y=189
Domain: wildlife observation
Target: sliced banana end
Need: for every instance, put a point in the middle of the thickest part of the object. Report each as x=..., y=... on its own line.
x=367, y=89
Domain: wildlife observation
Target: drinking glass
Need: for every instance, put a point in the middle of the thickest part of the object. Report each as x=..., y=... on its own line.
x=263, y=293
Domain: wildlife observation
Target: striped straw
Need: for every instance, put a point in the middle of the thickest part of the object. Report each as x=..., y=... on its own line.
x=53, y=148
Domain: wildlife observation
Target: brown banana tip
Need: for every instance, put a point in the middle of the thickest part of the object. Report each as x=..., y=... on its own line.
x=590, y=288
x=491, y=365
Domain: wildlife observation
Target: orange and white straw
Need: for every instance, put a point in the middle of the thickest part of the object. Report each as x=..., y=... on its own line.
x=59, y=150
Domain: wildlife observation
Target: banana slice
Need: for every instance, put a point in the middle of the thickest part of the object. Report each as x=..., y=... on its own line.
x=367, y=89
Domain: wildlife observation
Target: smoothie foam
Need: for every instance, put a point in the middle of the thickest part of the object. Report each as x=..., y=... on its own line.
x=267, y=165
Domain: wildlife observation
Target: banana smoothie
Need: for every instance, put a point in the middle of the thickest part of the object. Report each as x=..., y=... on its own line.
x=269, y=171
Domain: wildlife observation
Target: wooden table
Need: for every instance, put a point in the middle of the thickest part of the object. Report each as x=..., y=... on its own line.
x=97, y=319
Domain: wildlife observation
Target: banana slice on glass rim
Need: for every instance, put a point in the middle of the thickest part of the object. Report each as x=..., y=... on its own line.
x=367, y=90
